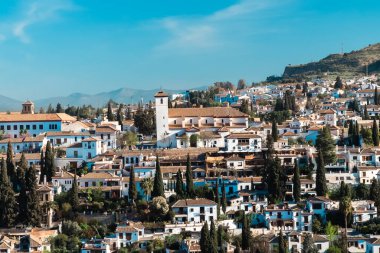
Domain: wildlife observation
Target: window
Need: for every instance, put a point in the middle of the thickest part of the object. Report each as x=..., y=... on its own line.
x=27, y=127
x=8, y=127
x=21, y=127
x=162, y=101
x=14, y=127
x=2, y=128
x=41, y=127
x=34, y=127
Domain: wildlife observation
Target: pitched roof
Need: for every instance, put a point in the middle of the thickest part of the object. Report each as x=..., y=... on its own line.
x=160, y=94
x=36, y=117
x=194, y=202
x=242, y=136
x=215, y=112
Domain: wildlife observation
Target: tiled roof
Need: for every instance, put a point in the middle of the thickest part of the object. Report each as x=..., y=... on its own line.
x=101, y=175
x=160, y=94
x=242, y=136
x=194, y=202
x=67, y=133
x=36, y=117
x=216, y=112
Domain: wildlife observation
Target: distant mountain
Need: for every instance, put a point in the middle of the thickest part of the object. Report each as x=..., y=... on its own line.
x=9, y=104
x=123, y=95
x=347, y=64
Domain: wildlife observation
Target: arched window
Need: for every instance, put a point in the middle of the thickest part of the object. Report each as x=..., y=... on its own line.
x=162, y=100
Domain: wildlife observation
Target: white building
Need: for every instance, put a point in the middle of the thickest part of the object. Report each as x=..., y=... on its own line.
x=173, y=122
x=244, y=141
x=195, y=210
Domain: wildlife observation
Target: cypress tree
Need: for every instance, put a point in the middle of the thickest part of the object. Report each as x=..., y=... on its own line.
x=213, y=238
x=376, y=97
x=308, y=244
x=49, y=162
x=281, y=243
x=224, y=198
x=189, y=179
x=357, y=135
x=205, y=239
x=220, y=239
x=132, y=191
x=11, y=167
x=366, y=116
x=120, y=116
x=374, y=194
x=179, y=184
x=42, y=167
x=321, y=187
x=8, y=204
x=217, y=198
x=74, y=198
x=274, y=130
x=296, y=183
x=245, y=233
x=375, y=133
x=158, y=184
x=110, y=115
x=20, y=172
x=33, y=205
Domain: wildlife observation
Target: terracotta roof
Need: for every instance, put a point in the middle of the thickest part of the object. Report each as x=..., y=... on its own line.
x=215, y=112
x=160, y=94
x=100, y=175
x=36, y=117
x=194, y=202
x=39, y=138
x=91, y=139
x=67, y=133
x=242, y=136
x=105, y=129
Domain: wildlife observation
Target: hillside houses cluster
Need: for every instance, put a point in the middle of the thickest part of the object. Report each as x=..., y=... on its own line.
x=225, y=150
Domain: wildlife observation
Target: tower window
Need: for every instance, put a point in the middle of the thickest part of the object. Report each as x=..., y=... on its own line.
x=162, y=100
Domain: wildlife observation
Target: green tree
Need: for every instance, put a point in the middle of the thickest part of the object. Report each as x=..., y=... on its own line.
x=217, y=198
x=189, y=178
x=59, y=108
x=33, y=213
x=281, y=243
x=205, y=240
x=331, y=232
x=338, y=83
x=213, y=238
x=74, y=197
x=375, y=133
x=42, y=167
x=120, y=114
x=132, y=190
x=308, y=244
x=245, y=232
x=224, y=198
x=345, y=207
x=147, y=185
x=244, y=108
x=296, y=183
x=11, y=167
x=49, y=162
x=179, y=184
x=158, y=185
x=20, y=172
x=321, y=187
x=365, y=116
x=220, y=239
x=8, y=204
x=326, y=145
x=274, y=130
x=110, y=115
x=376, y=97
x=374, y=193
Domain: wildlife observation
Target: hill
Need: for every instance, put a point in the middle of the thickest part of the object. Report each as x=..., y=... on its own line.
x=346, y=65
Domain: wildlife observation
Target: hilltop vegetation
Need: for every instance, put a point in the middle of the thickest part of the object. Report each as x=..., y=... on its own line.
x=346, y=65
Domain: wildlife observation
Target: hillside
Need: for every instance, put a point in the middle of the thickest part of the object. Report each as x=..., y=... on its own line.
x=347, y=64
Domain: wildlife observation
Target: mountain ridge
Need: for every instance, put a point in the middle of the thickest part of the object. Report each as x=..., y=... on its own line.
x=350, y=64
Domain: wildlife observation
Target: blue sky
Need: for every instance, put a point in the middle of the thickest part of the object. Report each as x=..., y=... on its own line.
x=57, y=47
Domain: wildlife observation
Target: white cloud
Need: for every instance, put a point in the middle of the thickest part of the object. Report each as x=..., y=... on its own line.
x=207, y=32
x=35, y=12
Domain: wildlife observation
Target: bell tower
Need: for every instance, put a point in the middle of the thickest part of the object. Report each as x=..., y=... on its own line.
x=28, y=107
x=162, y=120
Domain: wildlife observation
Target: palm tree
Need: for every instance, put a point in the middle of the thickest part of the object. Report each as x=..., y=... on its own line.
x=347, y=210
x=147, y=185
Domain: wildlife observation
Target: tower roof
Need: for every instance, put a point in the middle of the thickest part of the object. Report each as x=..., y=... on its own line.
x=28, y=102
x=160, y=94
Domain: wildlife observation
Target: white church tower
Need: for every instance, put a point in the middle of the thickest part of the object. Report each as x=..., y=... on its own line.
x=162, y=119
